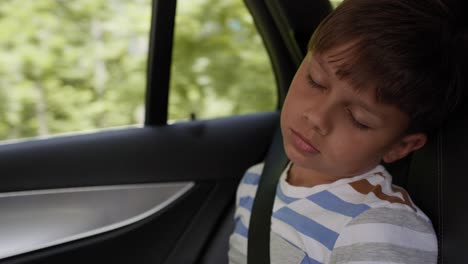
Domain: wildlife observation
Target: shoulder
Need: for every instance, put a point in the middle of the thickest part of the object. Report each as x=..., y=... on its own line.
x=392, y=235
x=377, y=191
x=256, y=169
x=252, y=175
x=248, y=185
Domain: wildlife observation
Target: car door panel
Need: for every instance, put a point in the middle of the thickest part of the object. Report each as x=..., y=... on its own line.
x=147, y=241
x=34, y=220
x=212, y=154
x=137, y=155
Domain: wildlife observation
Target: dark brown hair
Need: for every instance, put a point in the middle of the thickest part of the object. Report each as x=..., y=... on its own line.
x=411, y=51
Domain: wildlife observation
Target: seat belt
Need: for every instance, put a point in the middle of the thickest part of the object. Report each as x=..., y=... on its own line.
x=258, y=245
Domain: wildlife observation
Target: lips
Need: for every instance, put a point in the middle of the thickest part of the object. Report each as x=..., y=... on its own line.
x=301, y=143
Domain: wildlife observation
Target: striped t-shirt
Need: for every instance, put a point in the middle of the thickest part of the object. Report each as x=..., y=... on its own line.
x=362, y=220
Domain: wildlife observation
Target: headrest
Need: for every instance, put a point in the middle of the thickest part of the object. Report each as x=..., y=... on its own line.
x=297, y=21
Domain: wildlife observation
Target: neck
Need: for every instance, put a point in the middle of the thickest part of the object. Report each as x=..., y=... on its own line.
x=298, y=176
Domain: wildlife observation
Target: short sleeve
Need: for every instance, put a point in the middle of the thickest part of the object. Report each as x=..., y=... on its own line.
x=386, y=235
x=247, y=187
x=244, y=200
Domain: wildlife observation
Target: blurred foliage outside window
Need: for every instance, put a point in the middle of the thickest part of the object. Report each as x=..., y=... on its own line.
x=220, y=65
x=71, y=65
x=335, y=3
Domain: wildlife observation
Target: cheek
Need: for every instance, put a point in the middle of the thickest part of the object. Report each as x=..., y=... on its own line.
x=291, y=108
x=285, y=112
x=357, y=149
x=285, y=118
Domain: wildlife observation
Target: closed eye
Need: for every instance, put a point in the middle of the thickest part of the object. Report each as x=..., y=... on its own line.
x=313, y=84
x=355, y=122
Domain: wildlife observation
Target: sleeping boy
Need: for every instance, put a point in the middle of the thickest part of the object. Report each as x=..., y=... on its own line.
x=379, y=76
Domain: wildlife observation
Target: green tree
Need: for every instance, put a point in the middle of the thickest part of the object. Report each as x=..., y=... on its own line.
x=71, y=65
x=80, y=65
x=220, y=66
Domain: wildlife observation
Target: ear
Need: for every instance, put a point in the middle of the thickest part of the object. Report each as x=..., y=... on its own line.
x=404, y=146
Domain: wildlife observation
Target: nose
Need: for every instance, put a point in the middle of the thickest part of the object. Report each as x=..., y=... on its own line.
x=318, y=117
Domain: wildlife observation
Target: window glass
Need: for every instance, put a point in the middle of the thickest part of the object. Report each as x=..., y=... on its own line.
x=220, y=65
x=71, y=65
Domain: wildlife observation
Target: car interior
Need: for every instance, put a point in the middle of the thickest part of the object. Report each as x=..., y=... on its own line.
x=190, y=170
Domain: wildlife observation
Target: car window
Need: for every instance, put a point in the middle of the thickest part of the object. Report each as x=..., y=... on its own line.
x=220, y=65
x=71, y=66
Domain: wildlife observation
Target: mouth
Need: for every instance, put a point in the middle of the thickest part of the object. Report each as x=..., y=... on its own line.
x=301, y=143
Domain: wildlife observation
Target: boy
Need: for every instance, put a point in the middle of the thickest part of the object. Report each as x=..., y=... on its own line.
x=379, y=75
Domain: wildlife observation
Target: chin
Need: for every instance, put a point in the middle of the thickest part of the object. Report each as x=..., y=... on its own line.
x=292, y=154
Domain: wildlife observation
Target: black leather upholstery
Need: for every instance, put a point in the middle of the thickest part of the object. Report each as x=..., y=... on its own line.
x=437, y=183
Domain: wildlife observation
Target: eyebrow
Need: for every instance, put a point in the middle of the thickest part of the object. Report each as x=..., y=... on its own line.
x=360, y=103
x=320, y=61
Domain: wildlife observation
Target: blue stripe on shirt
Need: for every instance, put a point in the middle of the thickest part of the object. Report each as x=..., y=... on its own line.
x=307, y=260
x=283, y=197
x=333, y=203
x=246, y=202
x=240, y=228
x=308, y=227
x=251, y=178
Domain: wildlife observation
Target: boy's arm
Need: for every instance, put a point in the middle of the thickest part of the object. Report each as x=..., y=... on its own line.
x=244, y=197
x=386, y=235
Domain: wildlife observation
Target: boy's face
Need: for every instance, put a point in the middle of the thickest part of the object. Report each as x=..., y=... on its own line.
x=332, y=131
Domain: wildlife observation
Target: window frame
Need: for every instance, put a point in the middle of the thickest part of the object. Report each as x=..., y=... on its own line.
x=159, y=62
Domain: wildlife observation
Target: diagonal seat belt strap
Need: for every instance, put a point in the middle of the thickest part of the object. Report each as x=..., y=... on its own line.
x=258, y=247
